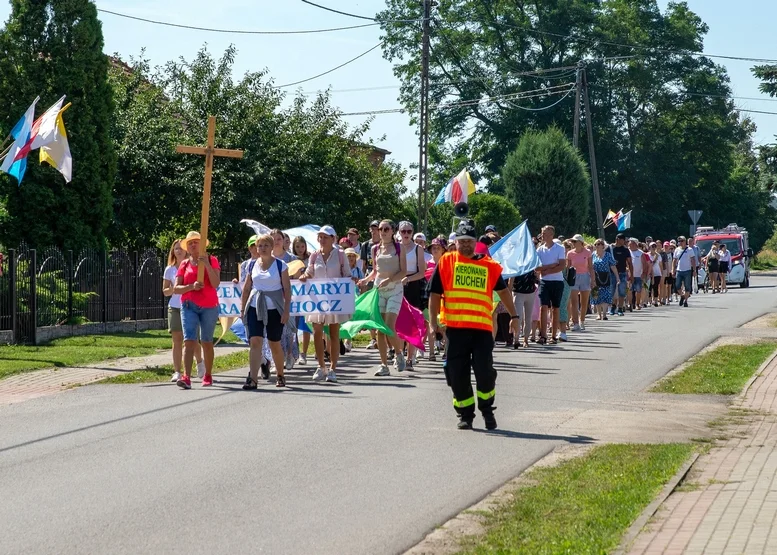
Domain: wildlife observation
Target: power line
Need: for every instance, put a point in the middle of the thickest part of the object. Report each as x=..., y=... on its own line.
x=347, y=14
x=330, y=70
x=232, y=31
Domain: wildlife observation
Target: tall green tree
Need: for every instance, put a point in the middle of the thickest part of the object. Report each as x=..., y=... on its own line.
x=51, y=48
x=548, y=182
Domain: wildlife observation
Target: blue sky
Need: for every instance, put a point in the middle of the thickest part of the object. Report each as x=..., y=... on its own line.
x=742, y=28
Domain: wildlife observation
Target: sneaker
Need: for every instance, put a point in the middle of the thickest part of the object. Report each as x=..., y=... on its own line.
x=432, y=357
x=373, y=344
x=400, y=362
x=331, y=376
x=383, y=371
x=409, y=365
x=582, y=327
x=318, y=375
x=265, y=370
x=464, y=424
x=620, y=312
x=289, y=365
x=562, y=336
x=574, y=327
x=490, y=421
x=176, y=377
x=303, y=359
x=184, y=382
x=207, y=381
x=201, y=369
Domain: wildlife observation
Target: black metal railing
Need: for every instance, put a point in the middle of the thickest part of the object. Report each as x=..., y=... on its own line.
x=51, y=287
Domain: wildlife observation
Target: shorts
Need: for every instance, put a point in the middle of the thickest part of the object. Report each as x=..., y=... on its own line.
x=551, y=293
x=390, y=298
x=723, y=268
x=623, y=277
x=174, y=321
x=582, y=282
x=636, y=285
x=684, y=278
x=273, y=326
x=669, y=280
x=194, y=317
x=412, y=292
x=713, y=266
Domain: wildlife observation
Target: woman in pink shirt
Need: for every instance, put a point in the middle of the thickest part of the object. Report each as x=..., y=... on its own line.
x=580, y=259
x=199, y=306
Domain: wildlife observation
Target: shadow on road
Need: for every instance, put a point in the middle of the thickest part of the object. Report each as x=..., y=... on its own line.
x=576, y=439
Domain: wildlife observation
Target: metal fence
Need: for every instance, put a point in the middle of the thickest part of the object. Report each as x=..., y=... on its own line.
x=51, y=287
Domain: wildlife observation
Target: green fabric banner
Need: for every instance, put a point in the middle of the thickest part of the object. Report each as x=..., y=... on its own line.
x=366, y=316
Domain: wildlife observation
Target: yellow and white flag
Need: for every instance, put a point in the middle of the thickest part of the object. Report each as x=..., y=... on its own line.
x=57, y=151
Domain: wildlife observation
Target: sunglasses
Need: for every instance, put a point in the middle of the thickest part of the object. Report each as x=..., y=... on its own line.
x=385, y=229
x=406, y=231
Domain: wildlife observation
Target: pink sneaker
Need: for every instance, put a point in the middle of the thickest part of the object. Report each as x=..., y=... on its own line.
x=207, y=380
x=184, y=382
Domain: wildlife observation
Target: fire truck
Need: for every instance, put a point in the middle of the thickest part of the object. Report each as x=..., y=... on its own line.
x=736, y=240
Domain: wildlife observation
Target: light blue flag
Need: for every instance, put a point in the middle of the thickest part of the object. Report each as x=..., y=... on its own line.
x=441, y=197
x=516, y=253
x=308, y=232
x=624, y=222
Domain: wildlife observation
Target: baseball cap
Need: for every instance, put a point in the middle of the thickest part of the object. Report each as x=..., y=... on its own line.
x=466, y=230
x=419, y=236
x=353, y=230
x=349, y=251
x=490, y=228
x=374, y=223
x=652, y=244
x=579, y=238
x=621, y=236
x=452, y=237
x=252, y=239
x=327, y=230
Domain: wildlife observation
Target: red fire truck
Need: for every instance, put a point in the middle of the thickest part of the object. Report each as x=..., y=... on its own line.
x=736, y=240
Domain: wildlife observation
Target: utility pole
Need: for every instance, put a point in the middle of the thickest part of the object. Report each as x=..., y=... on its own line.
x=423, y=150
x=578, y=92
x=583, y=89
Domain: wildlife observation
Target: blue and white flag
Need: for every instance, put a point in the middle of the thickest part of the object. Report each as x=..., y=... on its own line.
x=516, y=253
x=624, y=222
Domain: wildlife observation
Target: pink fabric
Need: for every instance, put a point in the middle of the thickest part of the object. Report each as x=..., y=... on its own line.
x=430, y=266
x=481, y=248
x=411, y=326
x=579, y=260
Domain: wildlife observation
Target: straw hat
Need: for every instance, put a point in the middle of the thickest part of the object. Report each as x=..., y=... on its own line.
x=295, y=266
x=192, y=235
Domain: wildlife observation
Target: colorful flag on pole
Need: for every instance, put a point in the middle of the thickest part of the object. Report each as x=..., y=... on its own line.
x=56, y=149
x=458, y=189
x=516, y=253
x=13, y=165
x=44, y=130
x=624, y=222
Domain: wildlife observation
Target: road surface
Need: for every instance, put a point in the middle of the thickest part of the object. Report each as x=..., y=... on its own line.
x=369, y=465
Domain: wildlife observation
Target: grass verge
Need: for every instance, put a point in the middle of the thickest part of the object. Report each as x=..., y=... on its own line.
x=584, y=505
x=162, y=373
x=722, y=371
x=86, y=349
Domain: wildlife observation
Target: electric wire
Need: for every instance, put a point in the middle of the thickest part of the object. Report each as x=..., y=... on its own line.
x=330, y=70
x=347, y=14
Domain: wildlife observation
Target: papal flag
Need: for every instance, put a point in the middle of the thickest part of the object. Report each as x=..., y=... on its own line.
x=57, y=150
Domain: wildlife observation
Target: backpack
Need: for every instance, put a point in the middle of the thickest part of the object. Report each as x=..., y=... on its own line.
x=278, y=264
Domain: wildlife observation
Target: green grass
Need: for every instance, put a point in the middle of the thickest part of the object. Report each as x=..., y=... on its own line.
x=765, y=260
x=722, y=371
x=86, y=349
x=162, y=373
x=583, y=505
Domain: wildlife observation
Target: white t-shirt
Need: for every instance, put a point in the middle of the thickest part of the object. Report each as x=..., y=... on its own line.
x=725, y=256
x=267, y=280
x=170, y=274
x=636, y=262
x=428, y=257
x=412, y=258
x=684, y=263
x=552, y=255
x=656, y=259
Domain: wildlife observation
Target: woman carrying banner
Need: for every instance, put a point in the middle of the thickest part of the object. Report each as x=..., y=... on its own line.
x=390, y=268
x=200, y=306
x=174, y=259
x=327, y=262
x=266, y=302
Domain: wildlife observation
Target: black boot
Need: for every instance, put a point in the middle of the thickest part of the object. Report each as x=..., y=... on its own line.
x=464, y=423
x=490, y=419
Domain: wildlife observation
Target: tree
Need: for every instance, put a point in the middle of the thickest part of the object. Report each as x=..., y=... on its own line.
x=51, y=48
x=547, y=181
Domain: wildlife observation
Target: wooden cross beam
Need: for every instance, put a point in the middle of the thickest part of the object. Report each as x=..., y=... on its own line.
x=209, y=151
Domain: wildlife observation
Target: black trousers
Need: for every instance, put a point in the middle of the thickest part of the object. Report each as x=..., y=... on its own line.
x=471, y=349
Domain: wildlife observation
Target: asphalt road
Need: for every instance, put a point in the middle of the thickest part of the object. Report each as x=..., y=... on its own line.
x=369, y=465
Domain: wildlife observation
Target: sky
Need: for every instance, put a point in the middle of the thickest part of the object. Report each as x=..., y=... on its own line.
x=743, y=28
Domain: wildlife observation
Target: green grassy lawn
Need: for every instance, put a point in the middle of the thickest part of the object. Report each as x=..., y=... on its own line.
x=766, y=260
x=583, y=505
x=163, y=373
x=86, y=349
x=722, y=371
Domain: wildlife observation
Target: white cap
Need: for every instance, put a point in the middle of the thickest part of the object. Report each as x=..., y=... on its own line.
x=452, y=237
x=419, y=236
x=578, y=238
x=328, y=230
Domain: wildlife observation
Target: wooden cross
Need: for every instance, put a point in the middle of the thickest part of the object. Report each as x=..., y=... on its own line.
x=209, y=151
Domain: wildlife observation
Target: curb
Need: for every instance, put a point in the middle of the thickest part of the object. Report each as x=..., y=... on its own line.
x=637, y=526
x=758, y=373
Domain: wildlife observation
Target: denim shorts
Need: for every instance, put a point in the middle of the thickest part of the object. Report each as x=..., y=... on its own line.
x=193, y=316
x=684, y=278
x=623, y=277
x=636, y=286
x=582, y=282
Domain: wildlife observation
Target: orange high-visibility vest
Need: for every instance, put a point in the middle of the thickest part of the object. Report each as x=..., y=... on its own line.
x=469, y=288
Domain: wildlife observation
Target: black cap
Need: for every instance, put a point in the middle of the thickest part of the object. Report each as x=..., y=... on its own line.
x=374, y=223
x=490, y=228
x=621, y=236
x=466, y=230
